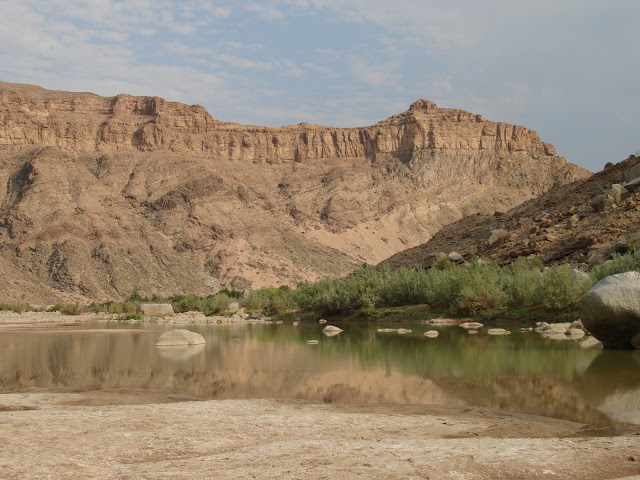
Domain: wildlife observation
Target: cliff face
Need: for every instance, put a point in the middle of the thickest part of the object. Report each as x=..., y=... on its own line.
x=85, y=122
x=104, y=195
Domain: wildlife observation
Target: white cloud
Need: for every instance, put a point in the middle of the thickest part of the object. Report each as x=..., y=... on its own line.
x=375, y=74
x=265, y=10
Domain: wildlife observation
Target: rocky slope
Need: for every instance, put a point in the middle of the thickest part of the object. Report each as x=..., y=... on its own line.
x=107, y=195
x=580, y=223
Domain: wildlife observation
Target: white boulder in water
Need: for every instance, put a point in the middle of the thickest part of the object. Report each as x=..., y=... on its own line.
x=179, y=336
x=498, y=331
x=431, y=334
x=332, y=328
x=331, y=331
x=469, y=325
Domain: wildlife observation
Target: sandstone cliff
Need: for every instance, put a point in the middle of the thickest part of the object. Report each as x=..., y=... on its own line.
x=104, y=195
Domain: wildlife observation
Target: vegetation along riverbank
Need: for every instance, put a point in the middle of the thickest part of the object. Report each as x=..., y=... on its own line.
x=523, y=288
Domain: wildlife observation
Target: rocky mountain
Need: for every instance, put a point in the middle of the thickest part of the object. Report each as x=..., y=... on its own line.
x=107, y=195
x=580, y=223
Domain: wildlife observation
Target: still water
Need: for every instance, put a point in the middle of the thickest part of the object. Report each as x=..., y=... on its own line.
x=521, y=372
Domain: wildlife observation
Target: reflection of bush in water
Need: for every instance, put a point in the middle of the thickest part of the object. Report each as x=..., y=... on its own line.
x=454, y=352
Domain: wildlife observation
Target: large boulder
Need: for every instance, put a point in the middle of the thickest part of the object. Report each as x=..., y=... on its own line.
x=179, y=337
x=611, y=310
x=496, y=235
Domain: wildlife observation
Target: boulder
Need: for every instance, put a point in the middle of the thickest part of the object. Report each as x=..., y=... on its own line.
x=621, y=245
x=619, y=193
x=525, y=220
x=431, y=334
x=632, y=173
x=578, y=276
x=574, y=333
x=498, y=331
x=633, y=185
x=469, y=325
x=155, y=309
x=573, y=221
x=496, y=235
x=541, y=216
x=610, y=311
x=485, y=233
x=179, y=336
x=455, y=257
x=331, y=331
x=602, y=202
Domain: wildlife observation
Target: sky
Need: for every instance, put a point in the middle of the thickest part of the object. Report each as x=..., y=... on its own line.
x=569, y=69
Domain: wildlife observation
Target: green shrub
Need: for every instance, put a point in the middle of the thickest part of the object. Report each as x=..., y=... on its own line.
x=444, y=264
x=480, y=289
x=187, y=303
x=217, y=303
x=522, y=279
x=558, y=290
x=618, y=264
x=270, y=300
x=16, y=307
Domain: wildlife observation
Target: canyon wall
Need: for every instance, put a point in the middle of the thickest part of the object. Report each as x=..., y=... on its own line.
x=107, y=195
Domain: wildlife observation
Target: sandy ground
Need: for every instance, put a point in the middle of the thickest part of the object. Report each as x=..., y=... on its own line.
x=140, y=435
x=164, y=434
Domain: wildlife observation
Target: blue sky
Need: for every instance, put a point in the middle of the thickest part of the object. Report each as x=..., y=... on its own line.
x=568, y=69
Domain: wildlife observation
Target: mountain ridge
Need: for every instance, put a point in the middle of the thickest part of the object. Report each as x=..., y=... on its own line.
x=105, y=195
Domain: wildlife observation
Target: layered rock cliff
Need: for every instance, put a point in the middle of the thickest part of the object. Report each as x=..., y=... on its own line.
x=104, y=195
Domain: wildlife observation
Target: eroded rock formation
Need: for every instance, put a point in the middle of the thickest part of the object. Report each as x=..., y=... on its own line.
x=107, y=195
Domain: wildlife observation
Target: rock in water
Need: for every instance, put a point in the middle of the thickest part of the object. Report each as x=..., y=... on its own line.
x=179, y=336
x=610, y=311
x=331, y=331
x=498, y=331
x=471, y=325
x=332, y=328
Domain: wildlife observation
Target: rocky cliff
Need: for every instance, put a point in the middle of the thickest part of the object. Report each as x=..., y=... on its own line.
x=104, y=195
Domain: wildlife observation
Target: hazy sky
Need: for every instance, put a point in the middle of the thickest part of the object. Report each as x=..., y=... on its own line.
x=569, y=69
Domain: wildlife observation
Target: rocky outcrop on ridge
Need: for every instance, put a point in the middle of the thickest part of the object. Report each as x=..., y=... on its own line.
x=581, y=223
x=107, y=195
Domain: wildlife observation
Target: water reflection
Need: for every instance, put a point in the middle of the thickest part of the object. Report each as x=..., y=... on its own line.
x=519, y=372
x=611, y=384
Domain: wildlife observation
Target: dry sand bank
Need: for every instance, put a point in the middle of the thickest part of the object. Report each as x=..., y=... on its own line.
x=138, y=435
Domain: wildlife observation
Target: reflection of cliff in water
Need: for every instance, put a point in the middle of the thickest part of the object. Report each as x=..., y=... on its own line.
x=544, y=395
x=611, y=384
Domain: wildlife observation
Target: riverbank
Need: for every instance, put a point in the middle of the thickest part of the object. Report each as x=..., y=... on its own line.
x=143, y=434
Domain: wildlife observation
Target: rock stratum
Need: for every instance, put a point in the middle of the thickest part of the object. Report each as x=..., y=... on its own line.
x=105, y=196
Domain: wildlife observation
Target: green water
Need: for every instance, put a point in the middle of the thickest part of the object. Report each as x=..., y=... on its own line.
x=521, y=372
